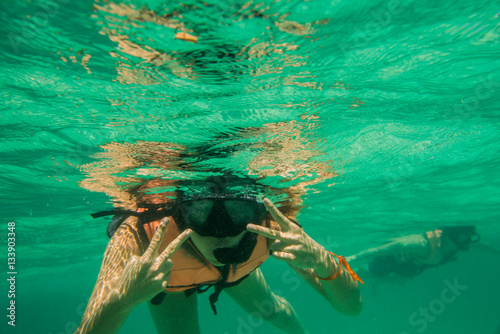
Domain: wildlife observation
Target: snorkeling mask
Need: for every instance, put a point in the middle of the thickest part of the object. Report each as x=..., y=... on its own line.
x=219, y=215
x=462, y=236
x=222, y=215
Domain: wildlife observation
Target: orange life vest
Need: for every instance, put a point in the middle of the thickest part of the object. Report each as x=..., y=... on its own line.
x=190, y=269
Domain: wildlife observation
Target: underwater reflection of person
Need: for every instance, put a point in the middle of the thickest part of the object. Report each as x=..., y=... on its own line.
x=410, y=255
x=168, y=255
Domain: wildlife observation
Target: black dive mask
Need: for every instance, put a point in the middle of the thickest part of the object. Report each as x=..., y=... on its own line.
x=219, y=215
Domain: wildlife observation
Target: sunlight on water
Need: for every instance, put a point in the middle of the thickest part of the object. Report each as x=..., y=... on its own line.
x=378, y=118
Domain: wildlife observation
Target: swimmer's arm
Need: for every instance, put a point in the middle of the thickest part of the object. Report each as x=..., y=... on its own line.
x=370, y=253
x=342, y=293
x=485, y=247
x=293, y=246
x=415, y=244
x=105, y=313
x=255, y=296
x=133, y=272
x=106, y=318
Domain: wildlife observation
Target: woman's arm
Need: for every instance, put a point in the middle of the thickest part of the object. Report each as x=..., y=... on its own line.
x=370, y=253
x=305, y=255
x=256, y=298
x=131, y=273
x=104, y=314
x=415, y=244
x=342, y=292
x=485, y=247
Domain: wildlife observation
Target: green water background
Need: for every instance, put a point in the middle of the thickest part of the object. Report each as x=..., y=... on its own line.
x=402, y=96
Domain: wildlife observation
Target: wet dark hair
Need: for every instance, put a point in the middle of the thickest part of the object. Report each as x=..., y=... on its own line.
x=461, y=236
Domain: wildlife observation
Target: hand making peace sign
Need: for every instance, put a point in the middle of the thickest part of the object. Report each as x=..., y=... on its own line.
x=144, y=277
x=293, y=245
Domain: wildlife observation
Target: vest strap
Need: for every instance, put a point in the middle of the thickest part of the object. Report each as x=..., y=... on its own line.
x=158, y=299
x=219, y=286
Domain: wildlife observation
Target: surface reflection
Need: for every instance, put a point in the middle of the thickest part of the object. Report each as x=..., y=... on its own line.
x=277, y=155
x=160, y=43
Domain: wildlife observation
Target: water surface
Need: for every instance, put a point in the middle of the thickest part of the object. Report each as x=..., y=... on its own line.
x=383, y=114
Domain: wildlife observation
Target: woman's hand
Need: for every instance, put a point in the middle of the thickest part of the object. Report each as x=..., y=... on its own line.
x=144, y=277
x=293, y=245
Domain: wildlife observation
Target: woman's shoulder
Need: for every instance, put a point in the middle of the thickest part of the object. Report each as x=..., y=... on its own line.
x=129, y=238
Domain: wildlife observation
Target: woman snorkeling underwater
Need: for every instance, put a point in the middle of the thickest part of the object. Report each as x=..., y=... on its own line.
x=213, y=235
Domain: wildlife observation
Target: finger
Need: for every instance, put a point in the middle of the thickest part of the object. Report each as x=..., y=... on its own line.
x=284, y=256
x=174, y=246
x=160, y=276
x=152, y=250
x=161, y=268
x=131, y=267
x=265, y=231
x=282, y=221
x=283, y=247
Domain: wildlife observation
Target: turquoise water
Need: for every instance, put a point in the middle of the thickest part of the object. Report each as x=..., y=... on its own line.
x=385, y=115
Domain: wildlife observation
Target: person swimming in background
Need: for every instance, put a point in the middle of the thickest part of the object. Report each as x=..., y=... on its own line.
x=214, y=233
x=410, y=255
